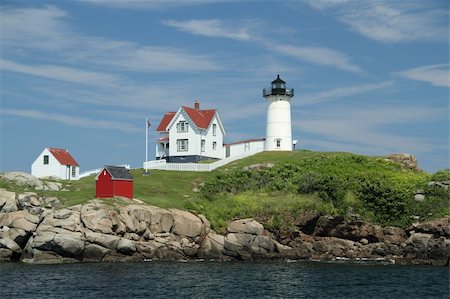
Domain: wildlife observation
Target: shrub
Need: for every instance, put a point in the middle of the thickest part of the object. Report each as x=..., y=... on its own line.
x=389, y=206
x=441, y=175
x=309, y=183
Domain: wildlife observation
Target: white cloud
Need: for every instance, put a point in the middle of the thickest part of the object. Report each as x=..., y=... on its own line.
x=147, y=4
x=369, y=127
x=242, y=31
x=437, y=74
x=392, y=21
x=38, y=28
x=319, y=55
x=211, y=28
x=45, y=30
x=342, y=92
x=71, y=120
x=60, y=73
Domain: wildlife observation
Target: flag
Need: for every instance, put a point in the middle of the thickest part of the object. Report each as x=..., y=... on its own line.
x=148, y=123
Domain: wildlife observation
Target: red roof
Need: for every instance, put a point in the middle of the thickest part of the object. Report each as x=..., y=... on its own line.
x=201, y=118
x=165, y=121
x=63, y=156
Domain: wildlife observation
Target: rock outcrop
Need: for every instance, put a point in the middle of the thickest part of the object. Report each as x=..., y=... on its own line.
x=33, y=230
x=407, y=161
x=27, y=180
x=328, y=237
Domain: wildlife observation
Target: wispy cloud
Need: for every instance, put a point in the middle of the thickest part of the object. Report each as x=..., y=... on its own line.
x=246, y=31
x=44, y=30
x=319, y=55
x=342, y=92
x=211, y=28
x=71, y=120
x=61, y=73
x=391, y=21
x=365, y=127
x=437, y=74
x=148, y=4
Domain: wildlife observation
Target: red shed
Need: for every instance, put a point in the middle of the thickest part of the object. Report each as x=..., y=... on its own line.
x=114, y=181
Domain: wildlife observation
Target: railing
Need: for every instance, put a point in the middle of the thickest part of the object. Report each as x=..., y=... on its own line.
x=198, y=167
x=270, y=91
x=95, y=171
x=161, y=153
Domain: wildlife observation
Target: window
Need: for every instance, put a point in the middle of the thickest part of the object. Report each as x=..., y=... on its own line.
x=203, y=145
x=278, y=142
x=214, y=128
x=182, y=127
x=46, y=160
x=214, y=145
x=74, y=173
x=182, y=145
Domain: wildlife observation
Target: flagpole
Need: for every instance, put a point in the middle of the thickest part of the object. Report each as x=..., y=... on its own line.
x=146, y=143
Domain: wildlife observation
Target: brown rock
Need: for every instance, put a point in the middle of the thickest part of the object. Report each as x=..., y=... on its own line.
x=246, y=226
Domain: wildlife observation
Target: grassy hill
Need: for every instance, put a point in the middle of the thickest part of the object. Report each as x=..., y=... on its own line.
x=333, y=183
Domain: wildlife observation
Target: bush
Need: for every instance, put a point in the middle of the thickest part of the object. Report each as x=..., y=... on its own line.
x=389, y=206
x=309, y=183
x=441, y=175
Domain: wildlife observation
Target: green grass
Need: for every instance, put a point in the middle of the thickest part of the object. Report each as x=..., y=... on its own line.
x=166, y=189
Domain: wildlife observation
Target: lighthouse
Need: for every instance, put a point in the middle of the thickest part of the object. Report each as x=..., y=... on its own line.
x=278, y=125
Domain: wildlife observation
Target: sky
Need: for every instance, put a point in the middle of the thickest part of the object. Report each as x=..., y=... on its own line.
x=370, y=77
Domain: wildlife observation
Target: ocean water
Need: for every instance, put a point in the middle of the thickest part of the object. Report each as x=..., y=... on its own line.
x=222, y=280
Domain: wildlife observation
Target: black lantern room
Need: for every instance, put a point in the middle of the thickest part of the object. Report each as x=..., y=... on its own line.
x=278, y=88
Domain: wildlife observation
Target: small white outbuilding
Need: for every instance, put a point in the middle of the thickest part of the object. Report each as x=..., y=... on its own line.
x=56, y=162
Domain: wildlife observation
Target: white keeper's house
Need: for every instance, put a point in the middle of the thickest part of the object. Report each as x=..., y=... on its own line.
x=193, y=134
x=190, y=135
x=55, y=162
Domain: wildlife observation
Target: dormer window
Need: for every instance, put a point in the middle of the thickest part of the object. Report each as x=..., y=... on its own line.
x=182, y=127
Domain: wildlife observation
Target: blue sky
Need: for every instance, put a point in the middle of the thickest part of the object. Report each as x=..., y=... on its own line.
x=370, y=77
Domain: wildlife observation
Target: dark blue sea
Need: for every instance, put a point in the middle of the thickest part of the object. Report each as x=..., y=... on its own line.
x=222, y=280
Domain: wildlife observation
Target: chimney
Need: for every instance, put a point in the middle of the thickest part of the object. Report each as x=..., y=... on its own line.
x=197, y=105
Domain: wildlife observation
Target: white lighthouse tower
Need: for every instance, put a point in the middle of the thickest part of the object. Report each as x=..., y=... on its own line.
x=278, y=127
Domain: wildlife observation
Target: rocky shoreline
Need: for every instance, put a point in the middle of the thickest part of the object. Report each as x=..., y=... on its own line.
x=36, y=230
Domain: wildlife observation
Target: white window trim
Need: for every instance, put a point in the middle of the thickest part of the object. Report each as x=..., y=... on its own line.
x=182, y=126
x=214, y=130
x=278, y=143
x=182, y=145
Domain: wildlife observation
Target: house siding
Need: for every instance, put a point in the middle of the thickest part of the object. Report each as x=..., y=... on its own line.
x=104, y=185
x=123, y=188
x=194, y=136
x=242, y=148
x=53, y=168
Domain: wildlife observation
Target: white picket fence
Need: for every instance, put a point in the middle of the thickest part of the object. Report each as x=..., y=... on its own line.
x=97, y=170
x=198, y=167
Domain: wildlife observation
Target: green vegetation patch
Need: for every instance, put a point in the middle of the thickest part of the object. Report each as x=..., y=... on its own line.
x=379, y=190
